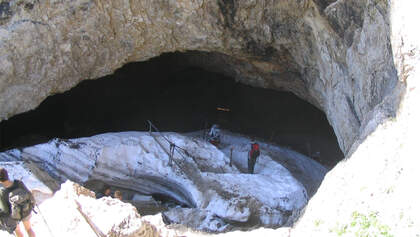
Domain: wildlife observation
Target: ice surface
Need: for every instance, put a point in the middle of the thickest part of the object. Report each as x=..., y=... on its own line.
x=200, y=176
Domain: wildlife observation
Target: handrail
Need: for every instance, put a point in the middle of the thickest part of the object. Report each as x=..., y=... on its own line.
x=177, y=148
x=170, y=154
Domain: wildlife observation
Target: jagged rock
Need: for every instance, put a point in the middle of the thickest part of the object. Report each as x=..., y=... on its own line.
x=334, y=54
x=74, y=211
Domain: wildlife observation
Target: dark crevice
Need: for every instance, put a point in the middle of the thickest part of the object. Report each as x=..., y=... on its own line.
x=353, y=110
x=168, y=201
x=5, y=11
x=228, y=9
x=322, y=4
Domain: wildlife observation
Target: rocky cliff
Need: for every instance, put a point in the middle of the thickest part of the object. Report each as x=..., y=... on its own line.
x=335, y=54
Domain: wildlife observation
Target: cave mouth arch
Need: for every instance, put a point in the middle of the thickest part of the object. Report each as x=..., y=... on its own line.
x=176, y=97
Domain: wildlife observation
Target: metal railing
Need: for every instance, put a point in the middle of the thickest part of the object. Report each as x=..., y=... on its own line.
x=172, y=146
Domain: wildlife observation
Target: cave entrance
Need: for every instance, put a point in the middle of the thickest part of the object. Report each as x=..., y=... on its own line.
x=179, y=98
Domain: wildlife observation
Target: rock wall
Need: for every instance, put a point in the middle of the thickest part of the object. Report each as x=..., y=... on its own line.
x=335, y=54
x=372, y=189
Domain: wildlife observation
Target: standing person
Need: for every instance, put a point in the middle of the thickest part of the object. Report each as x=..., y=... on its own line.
x=118, y=195
x=105, y=193
x=16, y=202
x=214, y=135
x=6, y=222
x=252, y=157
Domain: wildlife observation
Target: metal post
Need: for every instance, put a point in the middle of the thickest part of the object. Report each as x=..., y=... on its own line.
x=150, y=126
x=205, y=131
x=308, y=149
x=171, y=152
x=1, y=137
x=231, y=151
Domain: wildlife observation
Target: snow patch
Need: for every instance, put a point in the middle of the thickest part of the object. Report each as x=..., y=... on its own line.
x=217, y=194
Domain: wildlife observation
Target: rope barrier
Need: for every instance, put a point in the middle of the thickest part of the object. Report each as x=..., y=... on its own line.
x=173, y=146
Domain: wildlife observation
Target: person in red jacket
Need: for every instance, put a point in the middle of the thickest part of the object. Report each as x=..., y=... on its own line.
x=252, y=157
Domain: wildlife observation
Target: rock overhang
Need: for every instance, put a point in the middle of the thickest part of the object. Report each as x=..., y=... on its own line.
x=342, y=66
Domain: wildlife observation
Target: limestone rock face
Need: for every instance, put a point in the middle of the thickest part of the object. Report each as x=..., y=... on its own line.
x=375, y=182
x=335, y=54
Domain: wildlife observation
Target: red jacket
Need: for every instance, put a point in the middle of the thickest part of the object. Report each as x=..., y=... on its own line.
x=255, y=150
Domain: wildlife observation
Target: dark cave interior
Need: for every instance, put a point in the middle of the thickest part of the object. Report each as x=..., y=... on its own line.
x=179, y=99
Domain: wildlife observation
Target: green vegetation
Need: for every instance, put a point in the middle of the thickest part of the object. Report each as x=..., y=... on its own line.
x=362, y=225
x=318, y=222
